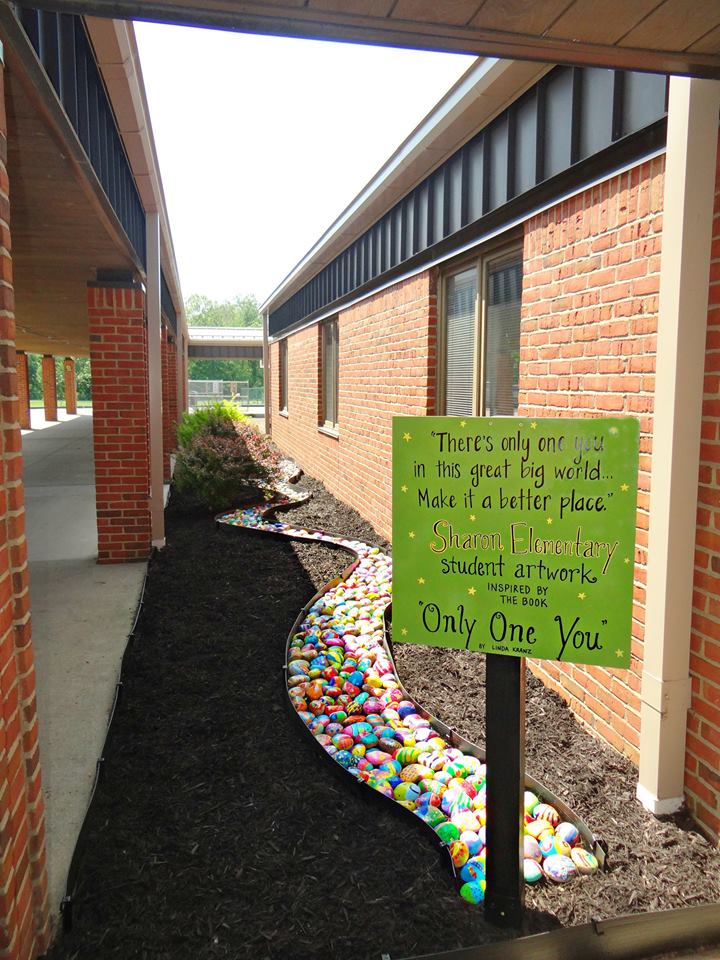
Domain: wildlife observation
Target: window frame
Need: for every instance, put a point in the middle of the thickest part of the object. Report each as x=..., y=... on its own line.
x=507, y=251
x=325, y=424
x=283, y=377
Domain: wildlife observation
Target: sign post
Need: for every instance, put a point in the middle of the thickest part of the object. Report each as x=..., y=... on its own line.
x=514, y=538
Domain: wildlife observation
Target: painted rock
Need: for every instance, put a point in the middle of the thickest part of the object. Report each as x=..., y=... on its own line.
x=531, y=849
x=413, y=771
x=368, y=740
x=358, y=729
x=432, y=815
x=474, y=891
x=466, y=820
x=456, y=768
x=472, y=840
x=342, y=741
x=323, y=739
x=474, y=869
x=559, y=869
x=531, y=801
x=544, y=811
x=407, y=791
x=382, y=787
x=550, y=844
x=537, y=828
x=448, y=832
x=532, y=871
x=389, y=746
x=376, y=757
x=585, y=861
x=459, y=853
x=392, y=767
x=358, y=750
x=568, y=832
x=345, y=758
x=298, y=668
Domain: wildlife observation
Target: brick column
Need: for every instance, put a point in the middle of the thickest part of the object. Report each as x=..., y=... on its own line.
x=24, y=917
x=118, y=356
x=49, y=387
x=173, y=377
x=23, y=389
x=167, y=425
x=70, y=385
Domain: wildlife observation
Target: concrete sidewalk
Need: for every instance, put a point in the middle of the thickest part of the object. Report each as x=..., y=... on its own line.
x=81, y=615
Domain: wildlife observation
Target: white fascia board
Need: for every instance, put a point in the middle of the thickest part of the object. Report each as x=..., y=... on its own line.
x=486, y=89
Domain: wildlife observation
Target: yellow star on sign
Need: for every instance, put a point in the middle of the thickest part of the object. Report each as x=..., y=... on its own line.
x=421, y=580
x=581, y=596
x=404, y=488
x=403, y=632
x=533, y=425
x=613, y=430
x=472, y=591
x=624, y=487
x=549, y=521
x=619, y=653
x=473, y=517
x=407, y=438
x=626, y=560
x=412, y=534
x=463, y=423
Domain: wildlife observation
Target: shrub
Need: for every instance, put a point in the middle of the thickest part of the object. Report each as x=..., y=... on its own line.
x=223, y=471
x=218, y=420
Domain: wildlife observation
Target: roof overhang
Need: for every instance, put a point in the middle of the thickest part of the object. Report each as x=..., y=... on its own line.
x=663, y=36
x=119, y=62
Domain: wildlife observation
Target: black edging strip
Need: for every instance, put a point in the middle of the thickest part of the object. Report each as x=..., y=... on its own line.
x=71, y=884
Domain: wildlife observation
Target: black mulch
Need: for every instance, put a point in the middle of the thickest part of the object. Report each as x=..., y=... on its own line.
x=222, y=830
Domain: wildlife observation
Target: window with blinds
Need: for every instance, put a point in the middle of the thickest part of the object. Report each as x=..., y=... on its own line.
x=482, y=337
x=283, y=371
x=460, y=340
x=502, y=339
x=329, y=414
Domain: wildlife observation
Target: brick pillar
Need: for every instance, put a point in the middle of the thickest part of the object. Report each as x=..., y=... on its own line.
x=49, y=387
x=23, y=389
x=167, y=425
x=118, y=357
x=24, y=917
x=70, y=385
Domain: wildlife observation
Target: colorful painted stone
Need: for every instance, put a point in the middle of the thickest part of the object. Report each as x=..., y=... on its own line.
x=432, y=815
x=559, y=869
x=406, y=791
x=472, y=841
x=543, y=811
x=448, y=832
x=537, y=828
x=568, y=832
x=532, y=871
x=459, y=853
x=376, y=757
x=414, y=772
x=408, y=755
x=585, y=861
x=474, y=869
x=474, y=891
x=531, y=801
x=531, y=849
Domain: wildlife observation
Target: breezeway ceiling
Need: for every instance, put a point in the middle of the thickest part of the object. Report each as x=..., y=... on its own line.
x=666, y=36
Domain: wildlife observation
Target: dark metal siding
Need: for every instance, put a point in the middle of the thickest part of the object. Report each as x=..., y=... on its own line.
x=573, y=120
x=166, y=303
x=63, y=48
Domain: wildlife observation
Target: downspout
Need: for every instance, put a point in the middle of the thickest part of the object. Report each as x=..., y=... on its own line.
x=682, y=322
x=154, y=332
x=266, y=374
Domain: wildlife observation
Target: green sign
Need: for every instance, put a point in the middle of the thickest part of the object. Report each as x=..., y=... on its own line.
x=515, y=536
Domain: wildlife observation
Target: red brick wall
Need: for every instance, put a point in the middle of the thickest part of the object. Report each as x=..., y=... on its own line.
x=173, y=390
x=702, y=770
x=118, y=356
x=24, y=918
x=387, y=347
x=49, y=384
x=70, y=385
x=23, y=389
x=588, y=341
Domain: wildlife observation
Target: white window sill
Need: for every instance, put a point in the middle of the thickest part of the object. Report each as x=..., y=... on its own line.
x=284, y=413
x=330, y=432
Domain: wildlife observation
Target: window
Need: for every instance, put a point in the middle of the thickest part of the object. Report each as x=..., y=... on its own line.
x=482, y=337
x=329, y=411
x=283, y=400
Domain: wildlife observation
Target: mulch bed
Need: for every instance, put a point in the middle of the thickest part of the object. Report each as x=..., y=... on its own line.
x=221, y=830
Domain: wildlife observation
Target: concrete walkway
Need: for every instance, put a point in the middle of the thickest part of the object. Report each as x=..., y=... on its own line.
x=81, y=615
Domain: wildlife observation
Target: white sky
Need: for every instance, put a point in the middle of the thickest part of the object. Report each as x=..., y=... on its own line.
x=263, y=141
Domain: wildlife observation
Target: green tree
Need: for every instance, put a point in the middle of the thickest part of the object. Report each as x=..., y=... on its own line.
x=244, y=311
x=201, y=311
